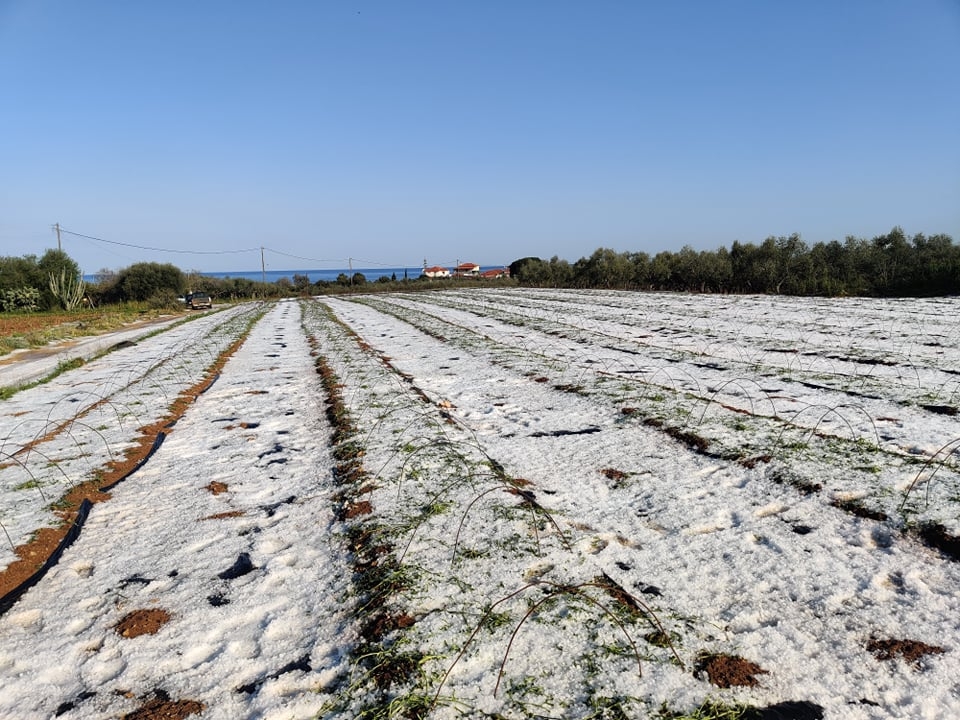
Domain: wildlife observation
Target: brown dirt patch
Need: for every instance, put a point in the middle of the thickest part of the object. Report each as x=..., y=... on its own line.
x=913, y=651
x=726, y=671
x=216, y=487
x=19, y=324
x=224, y=515
x=752, y=462
x=621, y=596
x=363, y=507
x=161, y=707
x=142, y=622
x=384, y=623
x=617, y=478
x=14, y=324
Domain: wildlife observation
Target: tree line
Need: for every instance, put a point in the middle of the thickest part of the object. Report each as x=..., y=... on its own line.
x=890, y=265
x=53, y=281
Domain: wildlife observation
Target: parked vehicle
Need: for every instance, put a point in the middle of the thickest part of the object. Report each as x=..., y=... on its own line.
x=198, y=301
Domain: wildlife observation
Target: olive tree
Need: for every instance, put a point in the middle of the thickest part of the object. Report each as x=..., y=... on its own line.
x=142, y=281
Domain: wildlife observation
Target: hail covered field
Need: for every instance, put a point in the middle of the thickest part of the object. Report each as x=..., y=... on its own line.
x=495, y=503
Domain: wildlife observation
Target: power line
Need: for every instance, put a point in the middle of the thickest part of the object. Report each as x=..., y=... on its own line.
x=340, y=261
x=365, y=263
x=155, y=249
x=369, y=263
x=300, y=257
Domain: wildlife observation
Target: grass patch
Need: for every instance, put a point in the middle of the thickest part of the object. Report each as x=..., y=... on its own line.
x=19, y=331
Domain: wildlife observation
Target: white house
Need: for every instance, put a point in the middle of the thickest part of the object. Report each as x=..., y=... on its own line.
x=435, y=272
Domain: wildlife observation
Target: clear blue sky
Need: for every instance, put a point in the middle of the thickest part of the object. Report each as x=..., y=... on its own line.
x=392, y=132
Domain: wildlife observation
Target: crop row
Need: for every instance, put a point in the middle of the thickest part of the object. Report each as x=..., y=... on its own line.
x=886, y=454
x=68, y=431
x=466, y=555
x=485, y=590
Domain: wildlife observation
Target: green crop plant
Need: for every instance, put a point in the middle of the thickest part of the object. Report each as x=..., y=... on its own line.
x=626, y=608
x=709, y=710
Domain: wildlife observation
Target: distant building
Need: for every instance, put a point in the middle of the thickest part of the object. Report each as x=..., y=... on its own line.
x=467, y=270
x=495, y=273
x=435, y=272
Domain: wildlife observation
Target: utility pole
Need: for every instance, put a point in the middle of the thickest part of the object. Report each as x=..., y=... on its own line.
x=57, y=228
x=350, y=265
x=263, y=267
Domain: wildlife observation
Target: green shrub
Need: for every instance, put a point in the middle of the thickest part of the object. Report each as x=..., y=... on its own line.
x=20, y=299
x=165, y=299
